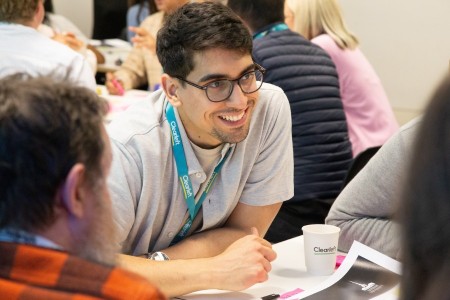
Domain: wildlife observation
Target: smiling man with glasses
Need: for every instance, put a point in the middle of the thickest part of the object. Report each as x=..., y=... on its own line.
x=221, y=90
x=201, y=168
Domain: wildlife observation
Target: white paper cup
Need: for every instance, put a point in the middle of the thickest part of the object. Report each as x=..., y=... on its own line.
x=321, y=244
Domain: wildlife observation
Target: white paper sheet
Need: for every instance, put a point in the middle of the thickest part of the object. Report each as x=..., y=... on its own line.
x=364, y=274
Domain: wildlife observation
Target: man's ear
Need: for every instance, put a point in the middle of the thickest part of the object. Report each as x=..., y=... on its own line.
x=170, y=86
x=39, y=14
x=73, y=191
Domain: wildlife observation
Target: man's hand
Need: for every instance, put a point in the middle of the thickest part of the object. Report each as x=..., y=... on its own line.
x=114, y=85
x=143, y=39
x=243, y=263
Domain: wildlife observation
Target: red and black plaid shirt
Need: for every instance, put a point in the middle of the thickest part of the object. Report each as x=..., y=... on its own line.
x=30, y=272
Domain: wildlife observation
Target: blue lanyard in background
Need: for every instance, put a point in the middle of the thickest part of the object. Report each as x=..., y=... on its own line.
x=277, y=27
x=183, y=175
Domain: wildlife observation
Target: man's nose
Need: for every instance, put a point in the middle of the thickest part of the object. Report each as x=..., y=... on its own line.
x=237, y=98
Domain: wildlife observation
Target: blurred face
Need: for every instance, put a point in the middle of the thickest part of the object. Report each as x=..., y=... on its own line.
x=97, y=244
x=209, y=124
x=169, y=6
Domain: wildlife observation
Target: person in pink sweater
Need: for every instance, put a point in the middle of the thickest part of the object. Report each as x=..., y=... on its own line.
x=370, y=118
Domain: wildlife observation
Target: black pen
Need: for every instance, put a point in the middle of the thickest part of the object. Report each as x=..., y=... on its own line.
x=271, y=297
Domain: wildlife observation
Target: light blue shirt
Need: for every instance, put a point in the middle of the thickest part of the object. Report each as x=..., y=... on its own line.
x=133, y=19
x=11, y=235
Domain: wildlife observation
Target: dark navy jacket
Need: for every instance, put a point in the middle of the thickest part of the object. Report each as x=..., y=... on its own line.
x=322, y=150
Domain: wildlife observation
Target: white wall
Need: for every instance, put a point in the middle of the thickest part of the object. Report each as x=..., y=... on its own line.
x=408, y=43
x=80, y=12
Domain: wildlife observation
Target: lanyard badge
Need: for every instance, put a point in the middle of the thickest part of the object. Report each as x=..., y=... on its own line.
x=183, y=174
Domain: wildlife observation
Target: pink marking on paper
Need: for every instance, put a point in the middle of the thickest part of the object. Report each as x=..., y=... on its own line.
x=291, y=293
x=339, y=260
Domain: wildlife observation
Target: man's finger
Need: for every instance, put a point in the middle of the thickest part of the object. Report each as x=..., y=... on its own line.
x=255, y=231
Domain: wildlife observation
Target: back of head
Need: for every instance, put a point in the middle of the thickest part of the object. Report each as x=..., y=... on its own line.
x=426, y=202
x=316, y=17
x=45, y=128
x=18, y=11
x=197, y=27
x=258, y=13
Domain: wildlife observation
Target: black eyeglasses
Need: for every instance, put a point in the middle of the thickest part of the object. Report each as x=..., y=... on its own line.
x=221, y=90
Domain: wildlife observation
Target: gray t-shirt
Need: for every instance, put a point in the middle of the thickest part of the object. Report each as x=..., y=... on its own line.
x=365, y=208
x=147, y=196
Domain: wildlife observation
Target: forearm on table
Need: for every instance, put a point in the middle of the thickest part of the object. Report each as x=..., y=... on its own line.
x=215, y=241
x=205, y=244
x=244, y=263
x=173, y=278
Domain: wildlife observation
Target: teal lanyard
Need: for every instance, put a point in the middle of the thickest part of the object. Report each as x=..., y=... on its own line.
x=278, y=27
x=183, y=175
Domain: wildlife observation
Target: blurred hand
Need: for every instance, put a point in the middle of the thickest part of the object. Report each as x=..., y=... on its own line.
x=112, y=88
x=143, y=39
x=70, y=40
x=244, y=263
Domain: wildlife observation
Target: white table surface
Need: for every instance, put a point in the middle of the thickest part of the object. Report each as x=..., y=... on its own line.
x=288, y=273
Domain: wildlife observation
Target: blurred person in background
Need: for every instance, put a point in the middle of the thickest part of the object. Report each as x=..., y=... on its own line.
x=425, y=206
x=366, y=207
x=141, y=67
x=24, y=49
x=370, y=118
x=62, y=30
x=137, y=12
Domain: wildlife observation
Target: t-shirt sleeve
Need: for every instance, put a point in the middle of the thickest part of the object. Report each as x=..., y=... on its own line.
x=365, y=208
x=124, y=185
x=271, y=179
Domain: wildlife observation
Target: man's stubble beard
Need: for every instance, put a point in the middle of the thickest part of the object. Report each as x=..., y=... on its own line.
x=234, y=138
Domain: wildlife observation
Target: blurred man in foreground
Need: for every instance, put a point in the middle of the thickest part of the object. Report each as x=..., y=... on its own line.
x=55, y=211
